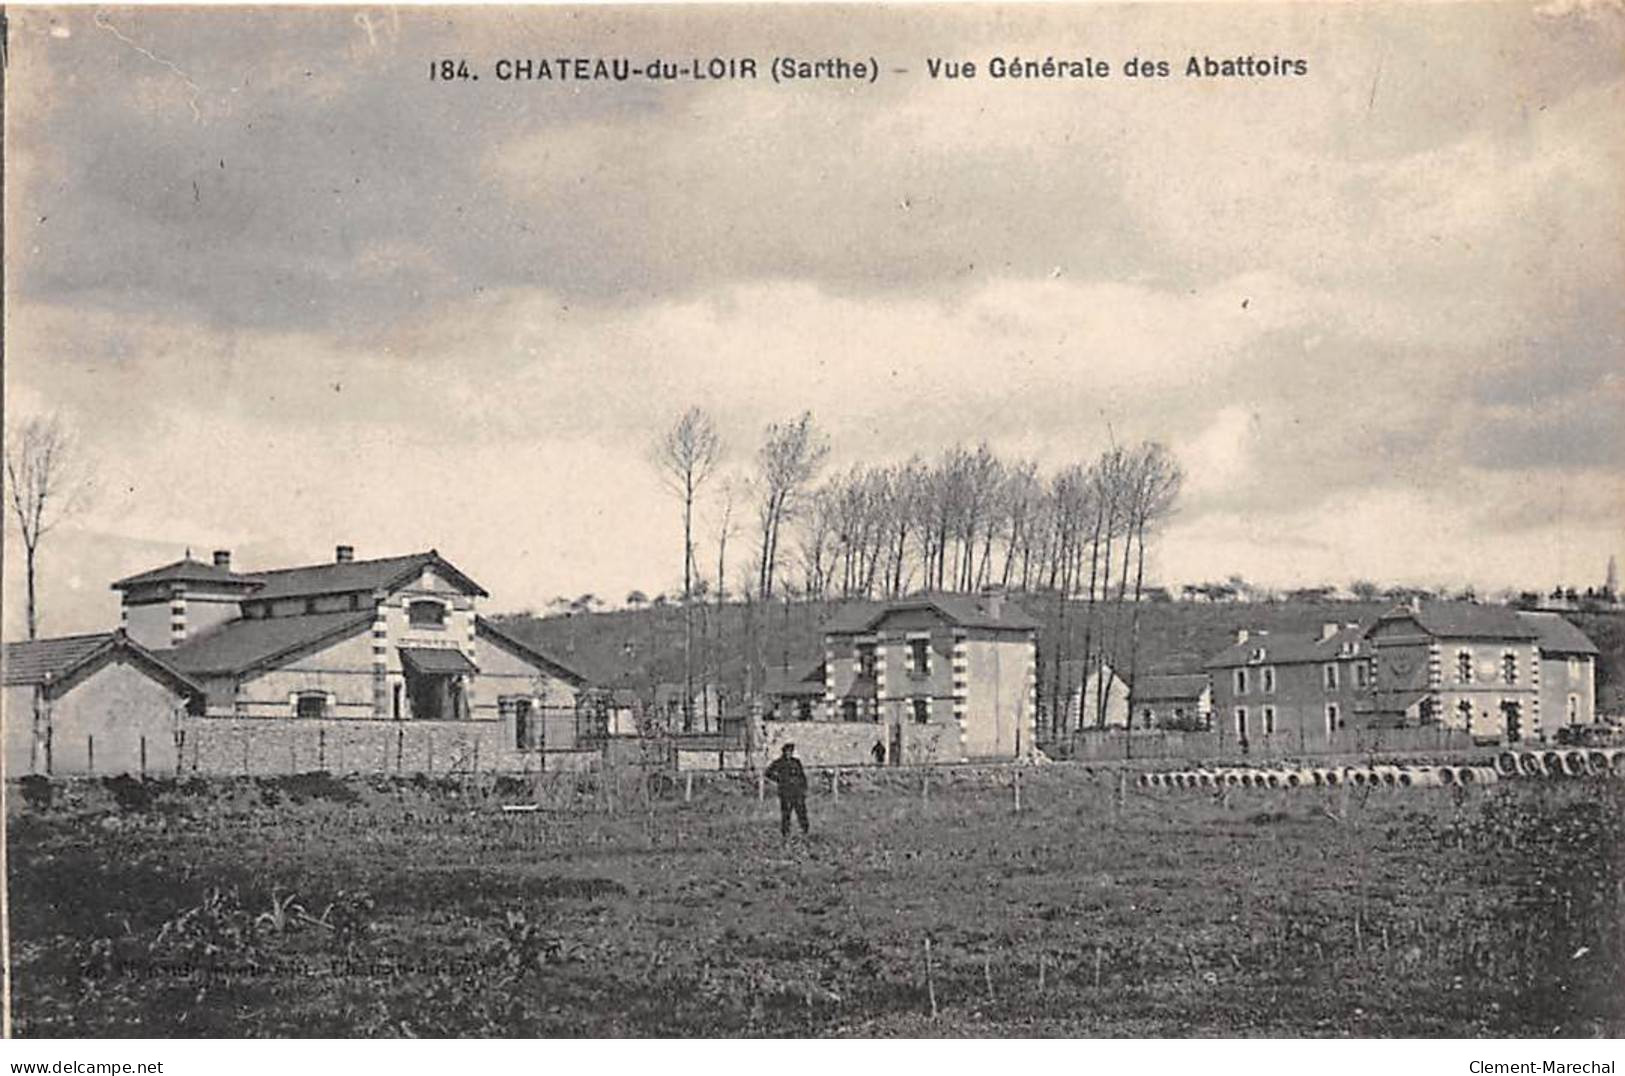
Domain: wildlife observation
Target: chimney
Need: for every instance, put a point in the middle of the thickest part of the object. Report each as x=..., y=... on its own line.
x=222, y=559
x=1329, y=629
x=993, y=601
x=343, y=554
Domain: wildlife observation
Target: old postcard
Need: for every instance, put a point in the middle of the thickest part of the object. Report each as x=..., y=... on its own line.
x=757, y=521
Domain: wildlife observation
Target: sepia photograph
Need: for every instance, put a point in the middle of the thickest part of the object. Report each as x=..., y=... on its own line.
x=815, y=521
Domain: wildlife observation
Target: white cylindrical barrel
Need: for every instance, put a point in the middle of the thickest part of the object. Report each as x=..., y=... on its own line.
x=1530, y=765
x=1507, y=763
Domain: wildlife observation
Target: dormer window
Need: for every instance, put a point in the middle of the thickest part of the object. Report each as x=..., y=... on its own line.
x=426, y=614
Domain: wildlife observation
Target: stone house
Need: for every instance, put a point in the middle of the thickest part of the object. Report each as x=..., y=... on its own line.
x=953, y=675
x=1467, y=667
x=1304, y=688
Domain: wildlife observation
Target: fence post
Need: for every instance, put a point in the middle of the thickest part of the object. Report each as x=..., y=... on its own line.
x=90, y=752
x=1018, y=791
x=688, y=786
x=835, y=784
x=143, y=758
x=321, y=749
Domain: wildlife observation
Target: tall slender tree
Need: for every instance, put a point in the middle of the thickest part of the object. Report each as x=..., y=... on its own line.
x=686, y=456
x=47, y=481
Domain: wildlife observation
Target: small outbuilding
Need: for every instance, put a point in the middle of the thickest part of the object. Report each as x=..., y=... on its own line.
x=85, y=704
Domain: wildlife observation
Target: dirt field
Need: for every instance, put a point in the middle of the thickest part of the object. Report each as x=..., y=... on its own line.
x=308, y=906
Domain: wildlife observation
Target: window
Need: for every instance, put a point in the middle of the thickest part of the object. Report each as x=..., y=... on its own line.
x=311, y=704
x=1241, y=681
x=426, y=614
x=1362, y=675
x=920, y=656
x=922, y=711
x=1509, y=668
x=1574, y=709
x=524, y=731
x=1334, y=717
x=1464, y=667
x=1269, y=720
x=310, y=605
x=866, y=659
x=355, y=603
x=1241, y=721
x=849, y=709
x=804, y=710
x=1147, y=718
x=1331, y=676
x=1464, y=713
x=1576, y=668
x=1269, y=679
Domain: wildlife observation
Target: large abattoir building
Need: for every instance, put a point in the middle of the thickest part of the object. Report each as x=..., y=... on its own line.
x=330, y=649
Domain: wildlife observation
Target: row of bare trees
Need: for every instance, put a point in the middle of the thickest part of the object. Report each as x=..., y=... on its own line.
x=965, y=520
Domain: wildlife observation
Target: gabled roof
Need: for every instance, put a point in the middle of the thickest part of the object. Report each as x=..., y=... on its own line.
x=963, y=610
x=805, y=679
x=485, y=629
x=1174, y=688
x=1467, y=620
x=36, y=660
x=187, y=570
x=1557, y=634
x=243, y=646
x=1293, y=649
x=343, y=577
x=59, y=662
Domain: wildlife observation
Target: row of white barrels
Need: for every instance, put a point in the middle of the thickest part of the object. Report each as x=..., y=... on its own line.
x=1595, y=762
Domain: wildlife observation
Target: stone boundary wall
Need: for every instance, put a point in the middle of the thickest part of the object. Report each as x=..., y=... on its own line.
x=250, y=746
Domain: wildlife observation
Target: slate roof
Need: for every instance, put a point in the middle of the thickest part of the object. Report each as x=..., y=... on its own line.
x=32, y=661
x=338, y=577
x=243, y=645
x=805, y=679
x=489, y=630
x=1184, y=686
x=186, y=570
x=38, y=661
x=1292, y=649
x=1465, y=620
x=1557, y=634
x=964, y=610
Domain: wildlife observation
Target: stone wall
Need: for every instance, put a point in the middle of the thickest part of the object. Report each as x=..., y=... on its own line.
x=841, y=743
x=216, y=745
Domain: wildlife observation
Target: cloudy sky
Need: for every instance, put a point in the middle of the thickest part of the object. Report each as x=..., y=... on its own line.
x=292, y=293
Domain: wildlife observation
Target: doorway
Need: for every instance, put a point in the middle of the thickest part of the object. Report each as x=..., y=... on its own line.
x=1512, y=717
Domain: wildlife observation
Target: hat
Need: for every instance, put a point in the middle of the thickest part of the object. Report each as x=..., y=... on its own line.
x=787, y=747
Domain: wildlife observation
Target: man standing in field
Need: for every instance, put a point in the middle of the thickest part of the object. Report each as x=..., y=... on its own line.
x=791, y=779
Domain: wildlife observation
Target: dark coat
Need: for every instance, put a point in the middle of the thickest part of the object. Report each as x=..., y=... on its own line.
x=787, y=773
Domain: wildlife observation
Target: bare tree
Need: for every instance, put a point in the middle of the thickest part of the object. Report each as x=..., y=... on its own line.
x=790, y=457
x=46, y=482
x=686, y=456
